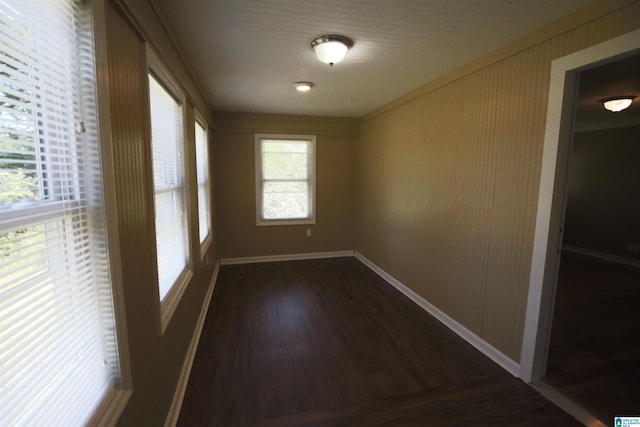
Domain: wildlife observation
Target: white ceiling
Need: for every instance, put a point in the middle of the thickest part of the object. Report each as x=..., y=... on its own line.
x=247, y=54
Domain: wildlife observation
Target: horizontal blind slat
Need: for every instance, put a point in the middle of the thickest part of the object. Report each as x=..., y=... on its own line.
x=52, y=255
x=169, y=182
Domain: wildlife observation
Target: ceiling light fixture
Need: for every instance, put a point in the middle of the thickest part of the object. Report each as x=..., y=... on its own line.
x=304, y=86
x=617, y=103
x=331, y=49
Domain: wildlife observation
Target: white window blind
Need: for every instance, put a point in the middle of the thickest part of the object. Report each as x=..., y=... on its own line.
x=285, y=179
x=169, y=185
x=58, y=355
x=204, y=197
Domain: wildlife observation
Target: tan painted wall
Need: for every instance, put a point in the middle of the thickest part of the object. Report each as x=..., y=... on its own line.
x=234, y=165
x=156, y=360
x=448, y=177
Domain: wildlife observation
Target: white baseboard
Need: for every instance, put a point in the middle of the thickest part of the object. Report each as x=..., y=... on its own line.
x=286, y=257
x=488, y=350
x=601, y=255
x=183, y=380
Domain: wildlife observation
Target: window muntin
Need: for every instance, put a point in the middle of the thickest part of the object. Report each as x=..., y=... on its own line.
x=285, y=179
x=167, y=143
x=58, y=354
x=204, y=189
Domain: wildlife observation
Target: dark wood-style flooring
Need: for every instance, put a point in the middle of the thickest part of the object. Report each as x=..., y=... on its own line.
x=329, y=343
x=594, y=354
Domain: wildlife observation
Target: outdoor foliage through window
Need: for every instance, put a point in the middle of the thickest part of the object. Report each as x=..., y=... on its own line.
x=286, y=182
x=57, y=336
x=22, y=175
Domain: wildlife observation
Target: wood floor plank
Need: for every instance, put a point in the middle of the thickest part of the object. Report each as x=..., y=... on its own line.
x=594, y=354
x=329, y=343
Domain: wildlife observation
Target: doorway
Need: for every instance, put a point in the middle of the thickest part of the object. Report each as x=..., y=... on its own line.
x=546, y=259
x=594, y=350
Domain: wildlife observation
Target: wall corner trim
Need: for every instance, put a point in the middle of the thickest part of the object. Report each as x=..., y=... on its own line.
x=485, y=348
x=183, y=380
x=286, y=257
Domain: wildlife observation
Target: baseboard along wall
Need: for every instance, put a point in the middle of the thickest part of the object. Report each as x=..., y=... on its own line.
x=286, y=257
x=601, y=255
x=481, y=345
x=488, y=350
x=183, y=380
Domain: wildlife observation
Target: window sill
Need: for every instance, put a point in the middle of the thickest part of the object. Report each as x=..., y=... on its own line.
x=109, y=412
x=204, y=246
x=273, y=222
x=171, y=301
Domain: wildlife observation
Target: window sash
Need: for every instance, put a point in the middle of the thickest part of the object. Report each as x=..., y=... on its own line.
x=285, y=179
x=58, y=353
x=170, y=194
x=204, y=196
x=170, y=238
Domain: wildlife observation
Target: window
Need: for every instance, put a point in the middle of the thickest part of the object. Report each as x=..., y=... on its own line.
x=170, y=203
x=204, y=190
x=285, y=179
x=58, y=346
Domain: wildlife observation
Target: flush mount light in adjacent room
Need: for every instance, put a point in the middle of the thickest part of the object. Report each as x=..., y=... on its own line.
x=303, y=86
x=331, y=49
x=617, y=103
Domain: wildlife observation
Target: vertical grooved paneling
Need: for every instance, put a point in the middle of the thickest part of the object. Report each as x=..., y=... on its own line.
x=127, y=72
x=448, y=184
x=156, y=361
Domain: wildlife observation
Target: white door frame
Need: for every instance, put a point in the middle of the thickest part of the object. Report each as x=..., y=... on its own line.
x=551, y=198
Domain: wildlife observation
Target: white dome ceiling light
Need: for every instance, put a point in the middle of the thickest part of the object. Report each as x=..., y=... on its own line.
x=303, y=86
x=331, y=49
x=617, y=103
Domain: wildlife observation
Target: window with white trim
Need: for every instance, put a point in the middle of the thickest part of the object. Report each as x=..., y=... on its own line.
x=58, y=347
x=285, y=179
x=204, y=189
x=166, y=102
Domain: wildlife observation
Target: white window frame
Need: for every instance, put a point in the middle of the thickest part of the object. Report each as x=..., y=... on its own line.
x=167, y=306
x=50, y=209
x=206, y=241
x=115, y=403
x=311, y=179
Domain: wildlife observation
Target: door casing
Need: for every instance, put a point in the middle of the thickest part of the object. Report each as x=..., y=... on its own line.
x=552, y=195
